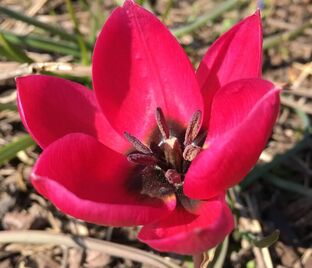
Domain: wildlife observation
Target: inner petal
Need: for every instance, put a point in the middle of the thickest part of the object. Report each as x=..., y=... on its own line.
x=137, y=66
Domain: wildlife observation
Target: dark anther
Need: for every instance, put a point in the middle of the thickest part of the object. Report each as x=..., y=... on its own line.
x=190, y=152
x=193, y=128
x=139, y=146
x=142, y=159
x=162, y=124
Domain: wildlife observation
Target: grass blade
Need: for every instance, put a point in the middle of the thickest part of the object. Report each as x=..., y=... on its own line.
x=8, y=106
x=288, y=185
x=9, y=151
x=85, y=59
x=279, y=39
x=211, y=16
x=220, y=254
x=261, y=170
x=48, y=45
x=13, y=52
x=32, y=21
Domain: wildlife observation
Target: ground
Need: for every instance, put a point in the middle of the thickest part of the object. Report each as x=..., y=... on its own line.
x=276, y=194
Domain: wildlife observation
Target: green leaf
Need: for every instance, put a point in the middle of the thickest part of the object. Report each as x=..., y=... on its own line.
x=268, y=240
x=32, y=21
x=48, y=45
x=13, y=52
x=9, y=151
x=85, y=59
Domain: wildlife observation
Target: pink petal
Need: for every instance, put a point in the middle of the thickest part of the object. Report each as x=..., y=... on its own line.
x=87, y=180
x=243, y=115
x=185, y=233
x=237, y=54
x=52, y=107
x=139, y=66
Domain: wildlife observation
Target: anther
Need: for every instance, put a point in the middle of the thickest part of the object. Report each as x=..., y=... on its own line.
x=193, y=128
x=190, y=152
x=162, y=124
x=139, y=146
x=173, y=177
x=142, y=159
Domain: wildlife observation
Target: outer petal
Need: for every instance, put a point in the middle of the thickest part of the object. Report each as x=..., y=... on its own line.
x=243, y=115
x=52, y=107
x=138, y=66
x=237, y=54
x=185, y=233
x=85, y=179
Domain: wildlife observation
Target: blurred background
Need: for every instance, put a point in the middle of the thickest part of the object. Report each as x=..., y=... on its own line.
x=56, y=37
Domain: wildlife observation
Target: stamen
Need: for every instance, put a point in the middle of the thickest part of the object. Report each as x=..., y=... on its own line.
x=162, y=124
x=167, y=161
x=193, y=128
x=139, y=146
x=142, y=159
x=190, y=152
x=173, y=177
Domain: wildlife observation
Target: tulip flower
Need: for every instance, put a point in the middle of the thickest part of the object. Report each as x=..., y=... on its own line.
x=156, y=143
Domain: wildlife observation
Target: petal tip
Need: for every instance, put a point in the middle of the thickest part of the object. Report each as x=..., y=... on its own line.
x=129, y=3
x=257, y=13
x=19, y=80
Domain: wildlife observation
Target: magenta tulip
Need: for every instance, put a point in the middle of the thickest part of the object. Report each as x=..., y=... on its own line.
x=156, y=143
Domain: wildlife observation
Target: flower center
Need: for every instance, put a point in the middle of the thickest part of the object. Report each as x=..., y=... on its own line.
x=166, y=163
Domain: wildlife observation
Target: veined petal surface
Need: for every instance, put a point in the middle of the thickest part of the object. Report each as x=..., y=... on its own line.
x=51, y=107
x=183, y=232
x=89, y=181
x=242, y=118
x=139, y=66
x=235, y=55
